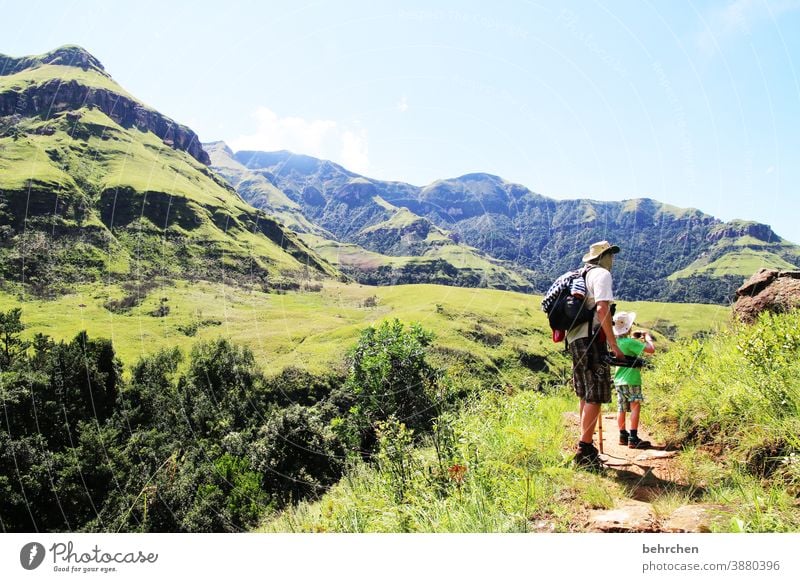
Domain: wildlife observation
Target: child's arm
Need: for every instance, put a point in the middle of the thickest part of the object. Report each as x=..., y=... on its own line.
x=649, y=347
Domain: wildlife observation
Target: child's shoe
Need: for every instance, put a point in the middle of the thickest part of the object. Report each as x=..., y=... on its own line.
x=624, y=435
x=637, y=443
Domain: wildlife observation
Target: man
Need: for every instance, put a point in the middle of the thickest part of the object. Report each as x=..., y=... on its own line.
x=587, y=345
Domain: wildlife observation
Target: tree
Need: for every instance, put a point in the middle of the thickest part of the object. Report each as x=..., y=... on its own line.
x=389, y=378
x=10, y=328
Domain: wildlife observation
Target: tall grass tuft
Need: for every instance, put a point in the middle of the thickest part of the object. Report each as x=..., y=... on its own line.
x=732, y=400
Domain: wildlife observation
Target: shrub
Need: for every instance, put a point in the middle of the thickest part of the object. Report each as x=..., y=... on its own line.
x=223, y=389
x=389, y=377
x=296, y=454
x=162, y=310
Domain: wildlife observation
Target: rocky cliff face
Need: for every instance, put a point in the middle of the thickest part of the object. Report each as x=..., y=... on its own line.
x=55, y=96
x=68, y=56
x=736, y=229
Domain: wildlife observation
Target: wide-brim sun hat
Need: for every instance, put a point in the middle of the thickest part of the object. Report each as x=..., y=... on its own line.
x=598, y=249
x=623, y=321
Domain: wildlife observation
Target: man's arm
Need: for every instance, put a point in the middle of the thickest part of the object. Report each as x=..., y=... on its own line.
x=604, y=315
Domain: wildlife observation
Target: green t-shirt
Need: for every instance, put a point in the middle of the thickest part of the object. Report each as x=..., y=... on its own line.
x=629, y=376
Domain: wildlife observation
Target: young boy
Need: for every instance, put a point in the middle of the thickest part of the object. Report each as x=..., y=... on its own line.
x=628, y=381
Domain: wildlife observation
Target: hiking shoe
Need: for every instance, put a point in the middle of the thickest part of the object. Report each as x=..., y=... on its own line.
x=638, y=443
x=587, y=455
x=624, y=435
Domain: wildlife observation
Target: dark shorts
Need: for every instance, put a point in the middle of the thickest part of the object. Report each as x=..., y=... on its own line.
x=590, y=375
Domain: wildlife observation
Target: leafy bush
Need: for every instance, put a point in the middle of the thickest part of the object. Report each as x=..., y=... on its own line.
x=488, y=468
x=389, y=377
x=222, y=390
x=163, y=308
x=296, y=454
x=191, y=328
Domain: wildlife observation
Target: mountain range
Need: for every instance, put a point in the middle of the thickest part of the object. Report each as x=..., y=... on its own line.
x=669, y=253
x=97, y=186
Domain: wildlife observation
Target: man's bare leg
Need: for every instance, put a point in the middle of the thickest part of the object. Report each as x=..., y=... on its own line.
x=591, y=410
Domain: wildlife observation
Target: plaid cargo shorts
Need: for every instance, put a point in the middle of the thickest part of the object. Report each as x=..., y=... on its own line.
x=627, y=394
x=590, y=375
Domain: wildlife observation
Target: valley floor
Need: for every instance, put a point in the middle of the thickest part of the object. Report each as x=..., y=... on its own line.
x=312, y=329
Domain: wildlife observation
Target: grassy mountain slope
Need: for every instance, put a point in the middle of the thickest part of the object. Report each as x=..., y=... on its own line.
x=741, y=248
x=97, y=185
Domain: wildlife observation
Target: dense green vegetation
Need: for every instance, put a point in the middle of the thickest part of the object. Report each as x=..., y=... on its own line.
x=729, y=401
x=407, y=436
x=733, y=400
x=211, y=448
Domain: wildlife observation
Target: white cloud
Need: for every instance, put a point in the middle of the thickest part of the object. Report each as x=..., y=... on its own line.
x=402, y=105
x=321, y=138
x=354, y=153
x=770, y=170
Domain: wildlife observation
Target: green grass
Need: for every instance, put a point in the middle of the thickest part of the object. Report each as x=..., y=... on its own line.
x=744, y=262
x=676, y=212
x=101, y=162
x=733, y=401
x=385, y=205
x=741, y=256
x=401, y=218
x=313, y=330
x=26, y=160
x=508, y=469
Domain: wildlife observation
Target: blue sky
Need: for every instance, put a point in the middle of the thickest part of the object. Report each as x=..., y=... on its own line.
x=696, y=104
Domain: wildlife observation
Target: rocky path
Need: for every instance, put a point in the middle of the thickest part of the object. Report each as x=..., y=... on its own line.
x=647, y=476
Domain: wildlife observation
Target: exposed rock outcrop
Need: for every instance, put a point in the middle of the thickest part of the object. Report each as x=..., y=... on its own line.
x=55, y=96
x=736, y=229
x=68, y=56
x=768, y=290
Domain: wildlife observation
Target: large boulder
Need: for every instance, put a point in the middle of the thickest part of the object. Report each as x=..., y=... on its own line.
x=768, y=290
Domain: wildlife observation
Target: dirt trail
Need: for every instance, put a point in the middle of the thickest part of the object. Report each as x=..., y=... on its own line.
x=647, y=476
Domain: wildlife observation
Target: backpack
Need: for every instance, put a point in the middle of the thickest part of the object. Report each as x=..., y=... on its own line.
x=563, y=310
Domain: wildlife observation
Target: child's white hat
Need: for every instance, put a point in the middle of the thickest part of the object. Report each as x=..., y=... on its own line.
x=623, y=322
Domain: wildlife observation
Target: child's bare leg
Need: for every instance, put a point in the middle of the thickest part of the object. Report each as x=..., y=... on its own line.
x=635, y=408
